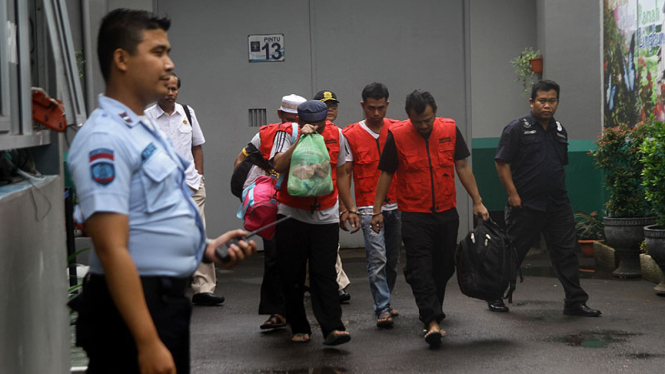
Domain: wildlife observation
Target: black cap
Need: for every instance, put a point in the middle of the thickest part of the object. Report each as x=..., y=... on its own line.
x=326, y=95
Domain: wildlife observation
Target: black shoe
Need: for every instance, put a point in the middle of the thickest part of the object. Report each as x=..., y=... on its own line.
x=497, y=306
x=207, y=299
x=344, y=296
x=581, y=310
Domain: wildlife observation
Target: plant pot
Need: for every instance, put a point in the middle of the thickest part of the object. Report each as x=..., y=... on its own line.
x=625, y=236
x=536, y=65
x=586, y=247
x=655, y=238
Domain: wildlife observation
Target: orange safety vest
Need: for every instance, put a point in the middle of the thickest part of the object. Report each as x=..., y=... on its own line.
x=267, y=136
x=331, y=137
x=366, y=155
x=426, y=167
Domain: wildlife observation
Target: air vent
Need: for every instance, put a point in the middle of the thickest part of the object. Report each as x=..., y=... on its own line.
x=257, y=117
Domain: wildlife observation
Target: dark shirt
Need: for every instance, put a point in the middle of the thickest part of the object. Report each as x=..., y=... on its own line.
x=389, y=162
x=536, y=157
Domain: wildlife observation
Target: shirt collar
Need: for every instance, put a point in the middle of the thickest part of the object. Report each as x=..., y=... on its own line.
x=118, y=110
x=533, y=121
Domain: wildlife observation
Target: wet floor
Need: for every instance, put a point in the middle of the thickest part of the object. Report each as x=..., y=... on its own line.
x=595, y=339
x=534, y=336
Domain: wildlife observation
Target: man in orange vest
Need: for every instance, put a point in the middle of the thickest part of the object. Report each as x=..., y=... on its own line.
x=271, y=302
x=313, y=232
x=330, y=99
x=366, y=140
x=425, y=151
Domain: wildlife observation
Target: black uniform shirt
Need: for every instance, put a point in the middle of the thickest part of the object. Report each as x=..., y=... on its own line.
x=389, y=163
x=536, y=157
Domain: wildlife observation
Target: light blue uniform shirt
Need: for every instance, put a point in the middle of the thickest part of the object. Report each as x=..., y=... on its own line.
x=122, y=164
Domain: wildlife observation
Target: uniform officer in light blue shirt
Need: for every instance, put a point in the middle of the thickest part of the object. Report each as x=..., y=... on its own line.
x=147, y=231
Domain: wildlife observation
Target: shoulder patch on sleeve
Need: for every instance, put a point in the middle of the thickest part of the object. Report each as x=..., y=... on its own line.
x=102, y=166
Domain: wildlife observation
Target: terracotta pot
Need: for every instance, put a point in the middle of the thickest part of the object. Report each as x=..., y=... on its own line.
x=586, y=246
x=655, y=240
x=625, y=235
x=537, y=64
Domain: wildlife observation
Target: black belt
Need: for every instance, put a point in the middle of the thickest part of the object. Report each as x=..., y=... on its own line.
x=161, y=285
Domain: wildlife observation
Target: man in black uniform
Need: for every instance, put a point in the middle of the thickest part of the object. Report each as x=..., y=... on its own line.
x=530, y=159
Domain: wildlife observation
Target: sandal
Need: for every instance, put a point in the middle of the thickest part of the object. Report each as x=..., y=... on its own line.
x=300, y=338
x=273, y=322
x=394, y=312
x=385, y=320
x=337, y=337
x=433, y=338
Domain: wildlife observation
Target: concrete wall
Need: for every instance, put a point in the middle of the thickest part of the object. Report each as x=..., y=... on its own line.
x=567, y=32
x=34, y=320
x=341, y=46
x=500, y=30
x=569, y=37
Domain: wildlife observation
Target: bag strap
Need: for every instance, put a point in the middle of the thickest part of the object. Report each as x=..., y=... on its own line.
x=188, y=114
x=243, y=207
x=514, y=270
x=294, y=136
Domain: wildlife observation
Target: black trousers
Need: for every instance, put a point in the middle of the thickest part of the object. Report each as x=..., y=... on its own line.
x=430, y=262
x=103, y=334
x=297, y=243
x=272, y=297
x=557, y=225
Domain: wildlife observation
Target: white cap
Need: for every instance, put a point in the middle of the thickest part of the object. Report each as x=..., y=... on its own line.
x=290, y=103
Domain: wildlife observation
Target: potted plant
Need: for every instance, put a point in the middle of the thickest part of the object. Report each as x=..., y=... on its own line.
x=626, y=211
x=589, y=228
x=524, y=69
x=653, y=180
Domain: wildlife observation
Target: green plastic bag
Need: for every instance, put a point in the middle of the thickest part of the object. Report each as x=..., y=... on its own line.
x=309, y=173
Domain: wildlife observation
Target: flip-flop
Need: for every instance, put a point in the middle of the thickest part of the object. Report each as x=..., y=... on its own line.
x=337, y=337
x=385, y=320
x=433, y=338
x=300, y=338
x=273, y=322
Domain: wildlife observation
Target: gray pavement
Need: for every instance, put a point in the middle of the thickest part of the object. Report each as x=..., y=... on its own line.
x=534, y=337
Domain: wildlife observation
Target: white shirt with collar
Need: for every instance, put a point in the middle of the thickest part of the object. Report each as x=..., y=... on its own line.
x=183, y=135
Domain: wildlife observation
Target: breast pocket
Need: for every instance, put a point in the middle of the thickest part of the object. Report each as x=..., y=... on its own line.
x=531, y=144
x=185, y=129
x=160, y=184
x=184, y=134
x=446, y=153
